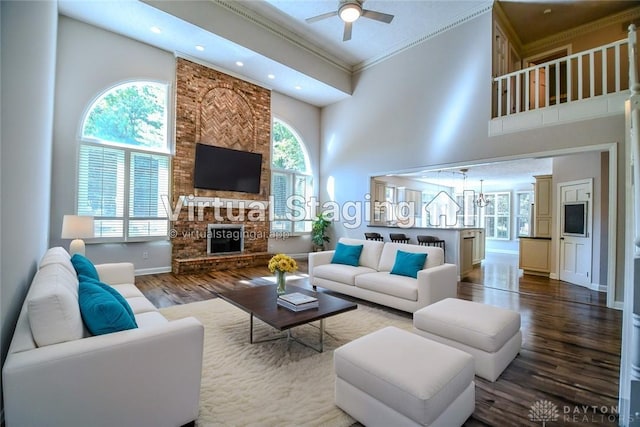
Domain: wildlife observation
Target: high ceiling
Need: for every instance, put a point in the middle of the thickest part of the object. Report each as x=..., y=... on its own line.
x=306, y=61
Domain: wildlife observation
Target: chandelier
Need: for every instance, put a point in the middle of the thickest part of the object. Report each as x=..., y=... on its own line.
x=481, y=201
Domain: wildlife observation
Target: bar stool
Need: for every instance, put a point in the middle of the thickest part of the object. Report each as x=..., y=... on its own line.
x=399, y=238
x=431, y=241
x=373, y=236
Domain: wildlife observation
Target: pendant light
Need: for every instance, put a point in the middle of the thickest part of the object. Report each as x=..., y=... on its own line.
x=481, y=201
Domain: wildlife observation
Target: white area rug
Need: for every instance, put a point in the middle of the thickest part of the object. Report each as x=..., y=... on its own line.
x=278, y=383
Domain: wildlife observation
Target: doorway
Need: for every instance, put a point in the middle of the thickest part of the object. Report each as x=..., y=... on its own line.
x=576, y=231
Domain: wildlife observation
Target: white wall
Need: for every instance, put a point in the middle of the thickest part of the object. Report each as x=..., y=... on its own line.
x=91, y=60
x=27, y=72
x=305, y=120
x=429, y=106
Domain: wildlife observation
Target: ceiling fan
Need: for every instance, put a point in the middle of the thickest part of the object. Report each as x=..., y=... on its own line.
x=349, y=11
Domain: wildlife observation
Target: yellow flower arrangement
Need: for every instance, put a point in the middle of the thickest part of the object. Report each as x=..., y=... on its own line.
x=283, y=263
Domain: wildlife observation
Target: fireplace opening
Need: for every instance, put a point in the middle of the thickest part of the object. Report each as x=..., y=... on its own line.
x=225, y=239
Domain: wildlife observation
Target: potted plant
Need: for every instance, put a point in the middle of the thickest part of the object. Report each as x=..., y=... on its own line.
x=318, y=230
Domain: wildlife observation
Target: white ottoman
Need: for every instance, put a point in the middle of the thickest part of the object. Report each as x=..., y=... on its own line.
x=393, y=377
x=490, y=334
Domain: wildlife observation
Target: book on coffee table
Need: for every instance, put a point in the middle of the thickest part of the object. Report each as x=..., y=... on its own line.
x=299, y=307
x=297, y=298
x=297, y=301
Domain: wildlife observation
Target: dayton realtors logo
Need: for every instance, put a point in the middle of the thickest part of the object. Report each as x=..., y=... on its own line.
x=544, y=411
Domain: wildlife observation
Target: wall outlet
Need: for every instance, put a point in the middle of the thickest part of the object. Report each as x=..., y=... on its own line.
x=145, y=255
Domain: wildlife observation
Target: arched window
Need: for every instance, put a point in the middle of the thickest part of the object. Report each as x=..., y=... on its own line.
x=123, y=162
x=291, y=183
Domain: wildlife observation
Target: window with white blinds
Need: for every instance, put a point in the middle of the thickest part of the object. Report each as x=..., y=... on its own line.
x=124, y=163
x=291, y=183
x=497, y=216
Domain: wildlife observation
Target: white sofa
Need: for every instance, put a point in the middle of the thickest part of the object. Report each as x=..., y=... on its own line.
x=56, y=374
x=371, y=279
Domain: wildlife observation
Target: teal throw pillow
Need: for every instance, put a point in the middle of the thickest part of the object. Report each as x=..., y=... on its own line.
x=118, y=296
x=101, y=311
x=84, y=266
x=347, y=254
x=408, y=263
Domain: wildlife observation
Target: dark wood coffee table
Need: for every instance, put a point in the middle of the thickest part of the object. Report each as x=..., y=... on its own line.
x=260, y=302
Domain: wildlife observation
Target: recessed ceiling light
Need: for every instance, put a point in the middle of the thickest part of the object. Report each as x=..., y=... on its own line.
x=155, y=29
x=200, y=48
x=298, y=87
x=239, y=63
x=271, y=76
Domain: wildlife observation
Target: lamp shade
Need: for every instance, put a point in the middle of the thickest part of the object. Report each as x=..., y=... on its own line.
x=77, y=227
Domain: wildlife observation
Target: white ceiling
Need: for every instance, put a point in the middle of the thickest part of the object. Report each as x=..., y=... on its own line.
x=371, y=41
x=309, y=58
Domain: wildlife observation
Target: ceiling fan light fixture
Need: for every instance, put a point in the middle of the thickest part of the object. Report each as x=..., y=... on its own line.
x=349, y=12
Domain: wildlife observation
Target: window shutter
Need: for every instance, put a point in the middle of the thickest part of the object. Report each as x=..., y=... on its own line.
x=148, y=183
x=101, y=175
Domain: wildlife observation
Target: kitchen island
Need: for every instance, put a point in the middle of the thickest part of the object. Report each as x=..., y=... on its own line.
x=465, y=246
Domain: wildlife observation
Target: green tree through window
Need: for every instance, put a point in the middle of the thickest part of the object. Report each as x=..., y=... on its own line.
x=287, y=152
x=290, y=177
x=130, y=114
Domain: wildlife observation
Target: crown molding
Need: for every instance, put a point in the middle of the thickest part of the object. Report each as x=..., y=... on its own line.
x=619, y=18
x=374, y=61
x=289, y=36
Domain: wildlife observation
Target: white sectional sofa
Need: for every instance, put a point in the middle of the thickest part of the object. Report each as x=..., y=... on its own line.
x=371, y=279
x=56, y=374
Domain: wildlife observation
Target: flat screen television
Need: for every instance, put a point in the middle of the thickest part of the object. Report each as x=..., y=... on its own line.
x=218, y=168
x=574, y=219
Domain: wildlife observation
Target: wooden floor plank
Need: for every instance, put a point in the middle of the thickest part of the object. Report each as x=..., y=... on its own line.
x=571, y=340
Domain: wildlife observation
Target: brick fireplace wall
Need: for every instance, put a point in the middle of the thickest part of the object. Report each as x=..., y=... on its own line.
x=217, y=109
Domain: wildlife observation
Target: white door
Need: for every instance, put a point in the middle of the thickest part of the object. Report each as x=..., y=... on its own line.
x=576, y=242
x=500, y=64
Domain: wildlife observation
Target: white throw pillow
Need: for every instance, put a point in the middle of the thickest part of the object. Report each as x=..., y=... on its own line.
x=57, y=255
x=52, y=306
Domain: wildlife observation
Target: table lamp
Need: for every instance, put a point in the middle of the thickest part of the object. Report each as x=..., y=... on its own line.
x=77, y=228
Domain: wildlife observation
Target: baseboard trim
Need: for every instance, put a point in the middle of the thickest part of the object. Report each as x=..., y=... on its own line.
x=502, y=251
x=553, y=276
x=155, y=270
x=303, y=255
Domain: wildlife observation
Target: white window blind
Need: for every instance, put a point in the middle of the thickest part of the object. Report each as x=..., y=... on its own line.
x=148, y=182
x=101, y=175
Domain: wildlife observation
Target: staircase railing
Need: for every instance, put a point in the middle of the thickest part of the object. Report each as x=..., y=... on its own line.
x=594, y=72
x=630, y=353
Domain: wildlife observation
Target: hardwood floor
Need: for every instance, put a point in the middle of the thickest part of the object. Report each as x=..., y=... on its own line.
x=570, y=355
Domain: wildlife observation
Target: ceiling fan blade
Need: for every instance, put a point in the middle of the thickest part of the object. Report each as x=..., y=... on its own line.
x=378, y=16
x=347, y=31
x=321, y=17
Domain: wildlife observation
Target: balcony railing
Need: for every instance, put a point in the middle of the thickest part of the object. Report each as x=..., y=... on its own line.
x=589, y=74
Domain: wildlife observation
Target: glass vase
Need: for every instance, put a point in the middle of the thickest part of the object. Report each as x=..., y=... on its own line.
x=281, y=283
